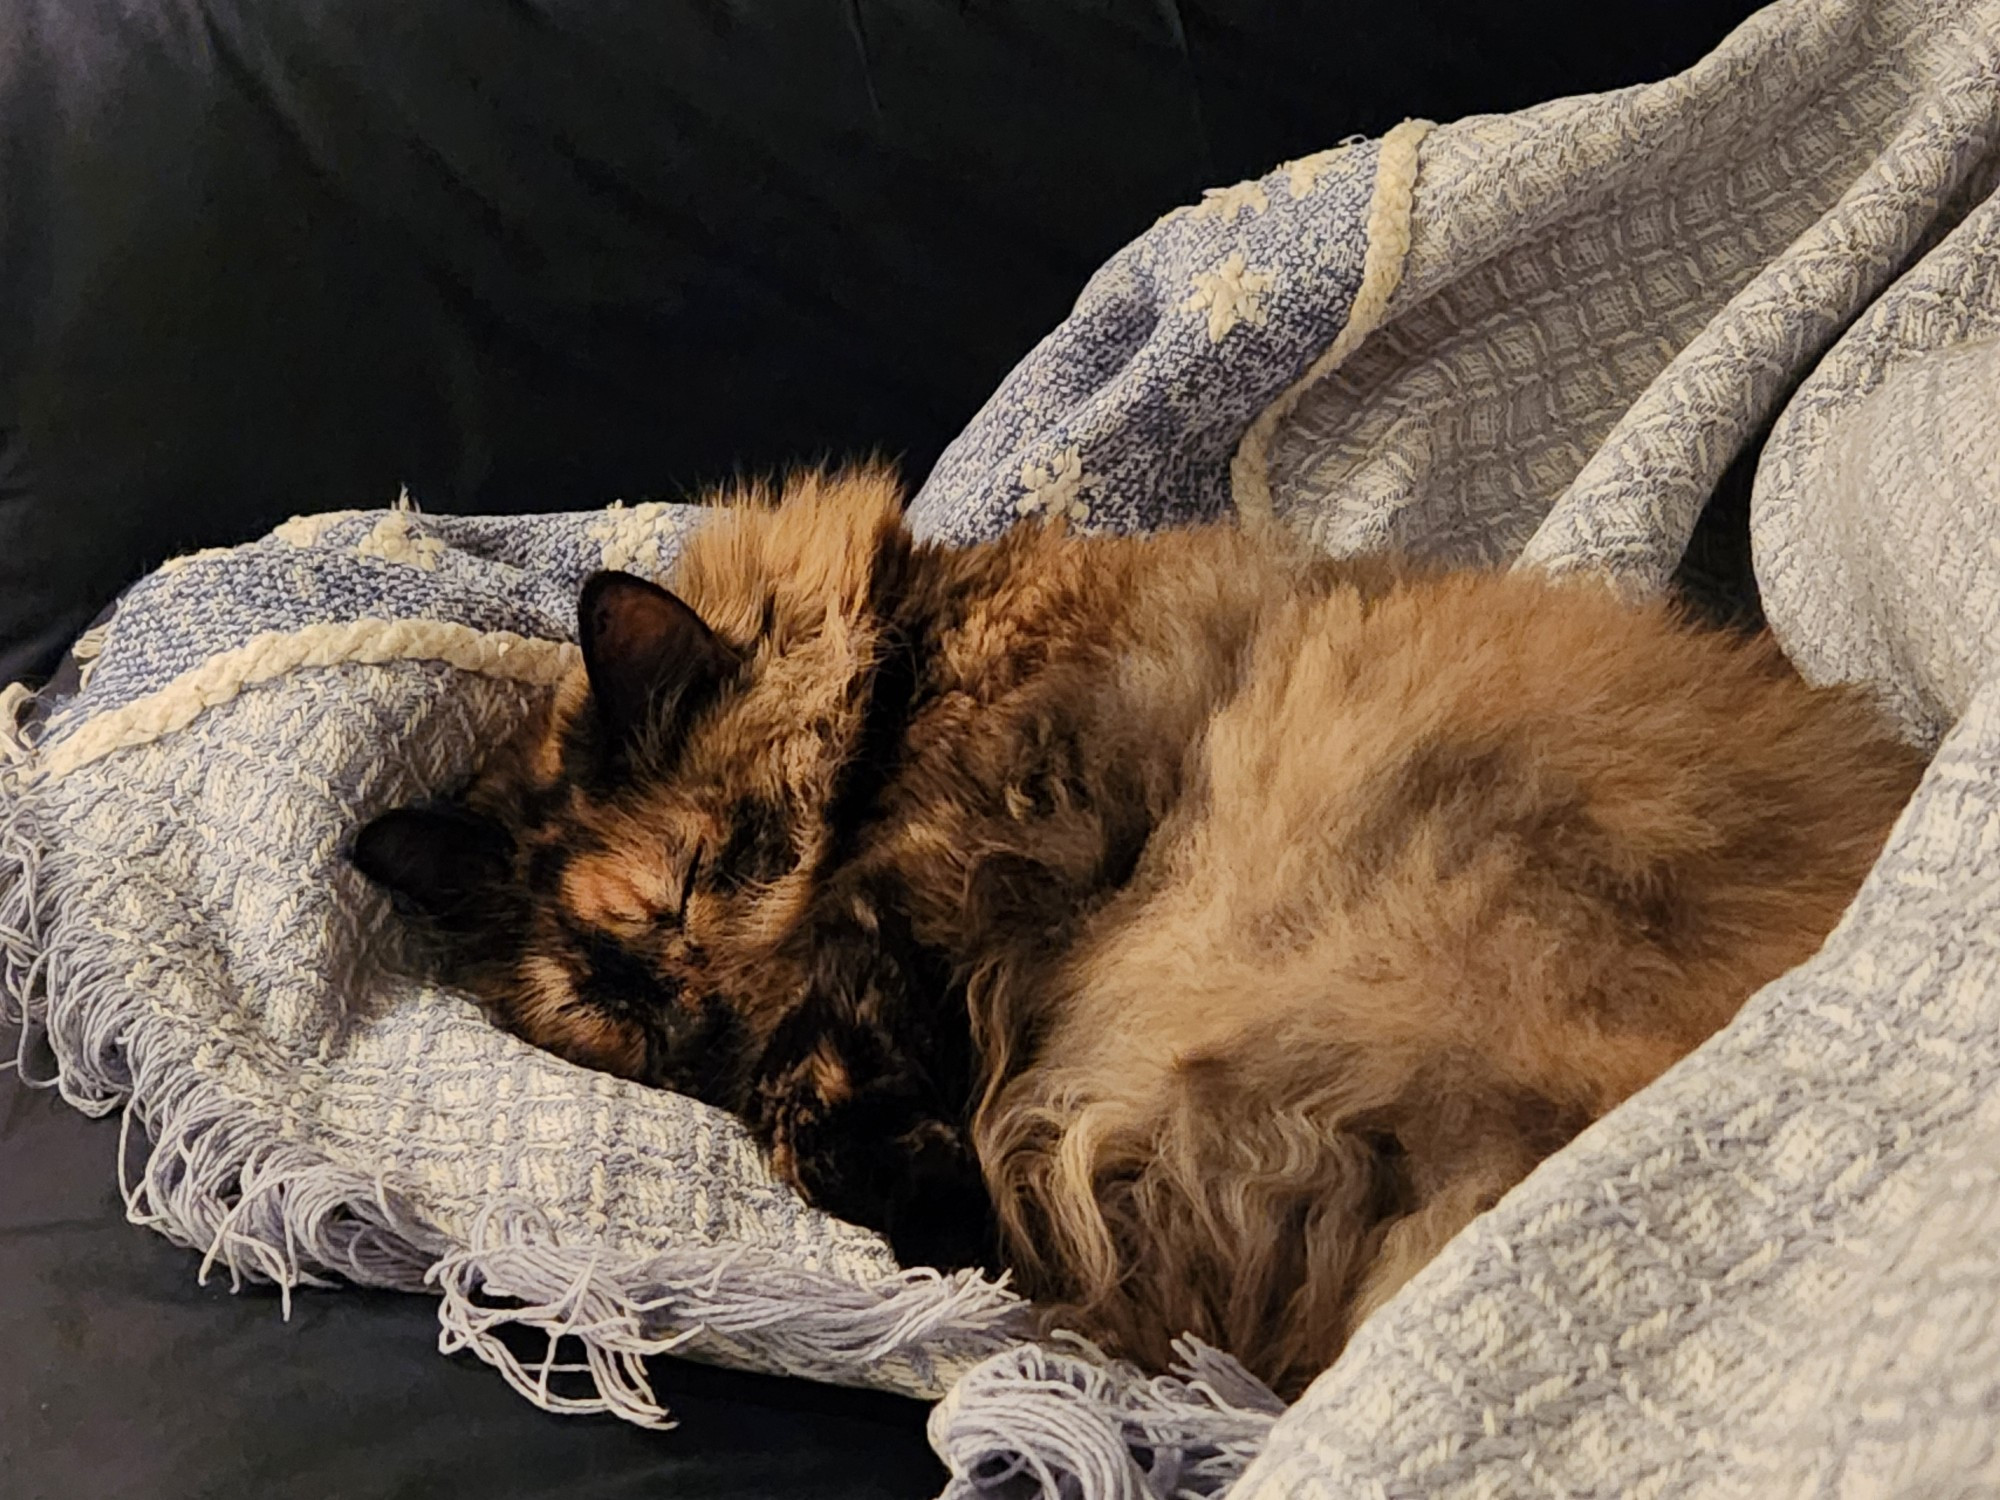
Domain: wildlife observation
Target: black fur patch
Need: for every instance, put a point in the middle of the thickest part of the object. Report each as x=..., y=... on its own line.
x=620, y=982
x=758, y=849
x=546, y=866
x=892, y=697
x=700, y=1048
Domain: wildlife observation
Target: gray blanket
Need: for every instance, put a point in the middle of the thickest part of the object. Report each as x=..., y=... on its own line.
x=1537, y=338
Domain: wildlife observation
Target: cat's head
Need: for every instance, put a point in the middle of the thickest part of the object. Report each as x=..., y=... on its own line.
x=620, y=884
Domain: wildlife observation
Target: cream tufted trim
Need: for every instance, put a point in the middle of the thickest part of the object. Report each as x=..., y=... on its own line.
x=276, y=653
x=1381, y=274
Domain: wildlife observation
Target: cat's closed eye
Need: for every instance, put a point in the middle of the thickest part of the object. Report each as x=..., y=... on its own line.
x=687, y=885
x=758, y=848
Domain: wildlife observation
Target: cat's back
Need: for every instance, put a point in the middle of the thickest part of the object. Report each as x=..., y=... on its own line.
x=1459, y=863
x=1119, y=648
x=1435, y=801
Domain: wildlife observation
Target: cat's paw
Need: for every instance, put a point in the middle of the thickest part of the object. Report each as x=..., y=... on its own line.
x=943, y=1216
x=874, y=1158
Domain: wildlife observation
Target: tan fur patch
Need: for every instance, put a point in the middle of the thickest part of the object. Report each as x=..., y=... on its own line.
x=622, y=892
x=1470, y=841
x=830, y=1080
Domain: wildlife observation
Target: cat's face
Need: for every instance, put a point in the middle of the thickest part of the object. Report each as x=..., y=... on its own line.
x=620, y=886
x=613, y=889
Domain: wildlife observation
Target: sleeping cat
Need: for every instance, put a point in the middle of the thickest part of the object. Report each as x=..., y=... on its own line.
x=1203, y=929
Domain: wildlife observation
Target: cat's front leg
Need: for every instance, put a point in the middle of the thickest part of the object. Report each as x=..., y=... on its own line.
x=860, y=1094
x=877, y=1155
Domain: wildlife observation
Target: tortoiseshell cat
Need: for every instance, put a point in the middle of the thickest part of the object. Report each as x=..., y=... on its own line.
x=1236, y=922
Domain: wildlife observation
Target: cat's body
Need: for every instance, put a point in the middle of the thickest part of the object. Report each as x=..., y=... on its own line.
x=1253, y=919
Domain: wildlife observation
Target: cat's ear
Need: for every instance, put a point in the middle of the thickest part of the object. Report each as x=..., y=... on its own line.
x=645, y=650
x=445, y=860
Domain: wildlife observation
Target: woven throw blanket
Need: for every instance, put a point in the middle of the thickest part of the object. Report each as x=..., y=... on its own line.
x=1535, y=338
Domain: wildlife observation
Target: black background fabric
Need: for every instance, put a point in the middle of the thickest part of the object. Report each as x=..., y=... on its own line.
x=262, y=259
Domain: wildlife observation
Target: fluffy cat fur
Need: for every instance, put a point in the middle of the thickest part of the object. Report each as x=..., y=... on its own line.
x=1205, y=929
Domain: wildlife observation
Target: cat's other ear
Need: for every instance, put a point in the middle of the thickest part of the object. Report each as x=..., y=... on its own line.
x=444, y=860
x=646, y=652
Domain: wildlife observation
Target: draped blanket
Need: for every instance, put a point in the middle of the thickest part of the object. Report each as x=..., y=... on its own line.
x=1535, y=339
